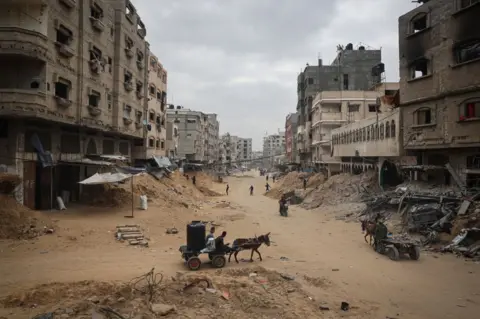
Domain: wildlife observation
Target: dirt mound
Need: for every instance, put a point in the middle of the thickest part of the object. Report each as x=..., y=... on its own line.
x=172, y=191
x=293, y=181
x=18, y=221
x=342, y=188
x=233, y=293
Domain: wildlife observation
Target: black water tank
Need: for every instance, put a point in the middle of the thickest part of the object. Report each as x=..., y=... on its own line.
x=196, y=236
x=349, y=46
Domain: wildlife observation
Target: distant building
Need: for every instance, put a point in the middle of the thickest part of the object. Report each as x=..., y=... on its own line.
x=291, y=138
x=273, y=145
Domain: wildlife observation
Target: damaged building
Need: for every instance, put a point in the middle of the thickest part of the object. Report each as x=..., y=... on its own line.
x=439, y=48
x=75, y=84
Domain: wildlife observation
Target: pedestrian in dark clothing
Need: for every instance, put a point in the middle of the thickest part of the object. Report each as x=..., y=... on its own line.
x=194, y=180
x=226, y=190
x=267, y=187
x=273, y=178
x=219, y=242
x=266, y=178
x=304, y=184
x=251, y=190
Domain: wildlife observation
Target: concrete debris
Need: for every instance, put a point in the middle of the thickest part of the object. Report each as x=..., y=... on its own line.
x=467, y=243
x=132, y=234
x=163, y=309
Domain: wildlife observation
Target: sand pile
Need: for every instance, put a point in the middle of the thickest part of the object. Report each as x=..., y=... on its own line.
x=173, y=191
x=293, y=181
x=228, y=293
x=18, y=222
x=342, y=188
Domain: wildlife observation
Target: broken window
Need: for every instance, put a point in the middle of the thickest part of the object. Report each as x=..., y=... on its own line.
x=162, y=145
x=128, y=43
x=467, y=51
x=62, y=88
x=140, y=56
x=158, y=120
x=151, y=142
x=372, y=132
x=364, y=134
x=127, y=77
x=419, y=68
x=138, y=117
x=368, y=134
x=164, y=77
x=139, y=87
x=34, y=85
x=141, y=30
x=418, y=22
x=393, y=131
x=129, y=11
x=153, y=90
x=159, y=96
x=110, y=65
x=377, y=132
x=95, y=54
x=127, y=111
x=151, y=116
x=345, y=81
x=374, y=108
x=96, y=12
x=94, y=99
x=64, y=35
x=467, y=3
x=353, y=108
x=109, y=101
x=423, y=116
x=387, y=129
x=469, y=110
x=157, y=143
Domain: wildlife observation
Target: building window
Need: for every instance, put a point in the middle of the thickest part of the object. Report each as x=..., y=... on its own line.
x=152, y=89
x=353, y=108
x=374, y=108
x=469, y=110
x=138, y=117
x=382, y=131
x=94, y=99
x=109, y=101
x=159, y=95
x=420, y=68
x=467, y=3
x=141, y=30
x=127, y=77
x=64, y=35
x=364, y=134
x=387, y=129
x=368, y=134
x=151, y=116
x=129, y=11
x=95, y=54
x=467, y=51
x=151, y=142
x=377, y=132
x=393, y=131
x=164, y=77
x=96, y=12
x=162, y=145
x=310, y=81
x=62, y=88
x=157, y=143
x=153, y=63
x=418, y=23
x=345, y=81
x=372, y=132
x=127, y=111
x=423, y=116
x=128, y=43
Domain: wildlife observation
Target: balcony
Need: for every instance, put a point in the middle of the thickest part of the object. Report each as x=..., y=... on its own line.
x=128, y=86
x=140, y=65
x=15, y=101
x=64, y=50
x=62, y=102
x=69, y=3
x=18, y=41
x=129, y=53
x=94, y=110
x=97, y=24
x=334, y=118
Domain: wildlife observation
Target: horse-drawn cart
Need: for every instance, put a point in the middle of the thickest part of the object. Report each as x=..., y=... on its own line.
x=394, y=248
x=196, y=246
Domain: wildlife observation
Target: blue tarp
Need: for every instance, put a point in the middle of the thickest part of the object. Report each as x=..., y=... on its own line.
x=44, y=157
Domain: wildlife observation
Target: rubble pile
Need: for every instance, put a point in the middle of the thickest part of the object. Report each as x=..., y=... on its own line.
x=170, y=191
x=8, y=183
x=227, y=293
x=19, y=222
x=294, y=181
x=429, y=211
x=342, y=188
x=132, y=234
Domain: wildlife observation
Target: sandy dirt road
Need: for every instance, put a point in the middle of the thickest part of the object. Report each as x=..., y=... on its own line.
x=328, y=256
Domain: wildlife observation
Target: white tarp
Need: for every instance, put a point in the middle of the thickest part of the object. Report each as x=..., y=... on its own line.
x=105, y=178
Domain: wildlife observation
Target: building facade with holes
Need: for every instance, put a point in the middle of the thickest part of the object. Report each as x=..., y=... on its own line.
x=331, y=110
x=155, y=138
x=439, y=51
x=75, y=75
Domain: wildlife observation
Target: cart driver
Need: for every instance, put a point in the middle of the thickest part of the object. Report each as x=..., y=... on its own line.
x=219, y=242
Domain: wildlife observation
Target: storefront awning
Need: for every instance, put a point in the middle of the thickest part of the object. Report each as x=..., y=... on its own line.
x=105, y=178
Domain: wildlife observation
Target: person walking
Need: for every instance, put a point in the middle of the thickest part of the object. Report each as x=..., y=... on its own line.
x=251, y=190
x=194, y=180
x=227, y=189
x=267, y=187
x=304, y=184
x=273, y=178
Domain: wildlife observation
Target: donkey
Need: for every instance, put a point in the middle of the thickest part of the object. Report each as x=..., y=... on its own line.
x=253, y=244
x=369, y=228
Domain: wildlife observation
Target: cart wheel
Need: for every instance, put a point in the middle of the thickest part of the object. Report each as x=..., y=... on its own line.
x=219, y=261
x=414, y=253
x=194, y=263
x=393, y=253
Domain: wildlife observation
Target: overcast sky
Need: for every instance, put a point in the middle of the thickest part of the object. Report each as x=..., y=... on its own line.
x=240, y=58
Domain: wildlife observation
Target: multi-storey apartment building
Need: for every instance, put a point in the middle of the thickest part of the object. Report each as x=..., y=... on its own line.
x=244, y=149
x=191, y=132
x=171, y=138
x=74, y=83
x=332, y=109
x=212, y=138
x=228, y=148
x=352, y=69
x=273, y=145
x=291, y=138
x=439, y=51
x=155, y=138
